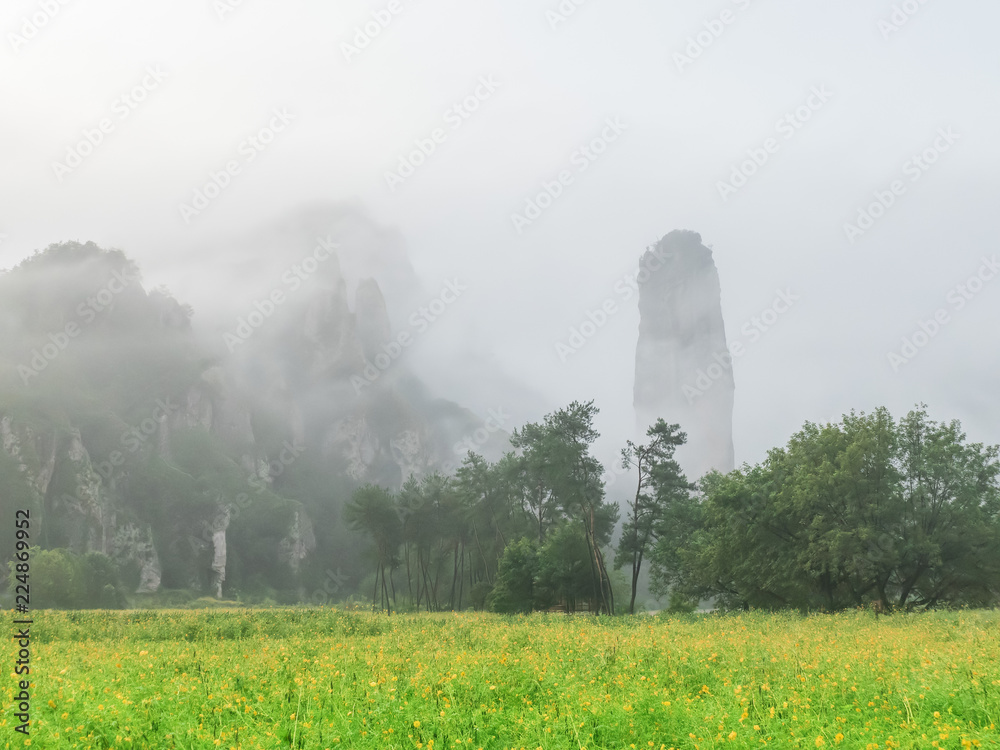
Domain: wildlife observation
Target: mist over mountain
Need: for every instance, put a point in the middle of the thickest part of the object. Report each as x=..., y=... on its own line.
x=683, y=366
x=199, y=454
x=345, y=243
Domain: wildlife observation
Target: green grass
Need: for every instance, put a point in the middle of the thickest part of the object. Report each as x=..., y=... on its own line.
x=311, y=678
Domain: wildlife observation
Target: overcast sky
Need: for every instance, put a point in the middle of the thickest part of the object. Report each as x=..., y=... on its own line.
x=848, y=94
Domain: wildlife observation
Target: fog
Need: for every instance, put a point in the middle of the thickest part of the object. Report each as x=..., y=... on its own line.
x=881, y=115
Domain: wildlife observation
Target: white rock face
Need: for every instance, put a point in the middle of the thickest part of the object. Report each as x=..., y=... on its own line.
x=219, y=525
x=682, y=338
x=132, y=543
x=91, y=499
x=20, y=441
x=353, y=440
x=409, y=454
x=300, y=541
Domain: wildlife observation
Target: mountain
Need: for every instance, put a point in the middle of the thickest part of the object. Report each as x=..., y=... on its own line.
x=683, y=368
x=212, y=456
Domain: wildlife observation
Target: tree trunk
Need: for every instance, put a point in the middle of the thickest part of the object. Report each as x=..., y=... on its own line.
x=636, y=567
x=486, y=564
x=454, y=576
x=461, y=577
x=409, y=581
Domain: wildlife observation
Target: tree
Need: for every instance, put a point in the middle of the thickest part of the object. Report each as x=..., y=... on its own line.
x=562, y=575
x=514, y=591
x=949, y=527
x=564, y=482
x=372, y=510
x=853, y=513
x=660, y=485
x=493, y=512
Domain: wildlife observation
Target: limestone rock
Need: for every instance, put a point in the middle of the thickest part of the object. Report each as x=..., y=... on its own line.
x=682, y=336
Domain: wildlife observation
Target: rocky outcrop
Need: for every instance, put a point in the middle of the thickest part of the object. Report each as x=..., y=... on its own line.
x=682, y=369
x=374, y=329
x=90, y=498
x=157, y=426
x=73, y=500
x=133, y=544
x=218, y=531
x=33, y=452
x=299, y=543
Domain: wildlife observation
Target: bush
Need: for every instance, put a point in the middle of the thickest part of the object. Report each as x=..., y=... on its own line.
x=61, y=579
x=514, y=591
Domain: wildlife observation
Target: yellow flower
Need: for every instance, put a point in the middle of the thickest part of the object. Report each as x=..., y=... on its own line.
x=416, y=724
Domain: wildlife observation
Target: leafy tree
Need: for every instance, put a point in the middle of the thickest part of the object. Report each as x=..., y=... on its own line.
x=482, y=489
x=514, y=591
x=563, y=568
x=660, y=486
x=61, y=579
x=57, y=579
x=565, y=482
x=863, y=511
x=949, y=527
x=372, y=510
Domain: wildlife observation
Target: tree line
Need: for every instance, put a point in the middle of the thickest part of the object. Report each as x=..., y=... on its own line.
x=866, y=511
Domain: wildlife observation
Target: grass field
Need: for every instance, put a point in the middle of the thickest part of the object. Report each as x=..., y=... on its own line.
x=325, y=679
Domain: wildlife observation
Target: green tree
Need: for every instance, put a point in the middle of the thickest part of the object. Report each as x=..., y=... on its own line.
x=58, y=580
x=659, y=487
x=862, y=511
x=514, y=591
x=564, y=481
x=372, y=510
x=563, y=568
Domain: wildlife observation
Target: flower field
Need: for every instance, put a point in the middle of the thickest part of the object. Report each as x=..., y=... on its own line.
x=319, y=678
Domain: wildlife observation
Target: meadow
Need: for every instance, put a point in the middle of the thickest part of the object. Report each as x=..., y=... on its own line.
x=321, y=678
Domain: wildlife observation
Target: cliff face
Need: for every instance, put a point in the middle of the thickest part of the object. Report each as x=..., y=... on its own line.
x=681, y=349
x=126, y=434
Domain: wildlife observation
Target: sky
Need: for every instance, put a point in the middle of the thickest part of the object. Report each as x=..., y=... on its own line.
x=843, y=155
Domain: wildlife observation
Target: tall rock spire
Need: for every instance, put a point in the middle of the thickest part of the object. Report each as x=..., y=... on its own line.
x=683, y=371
